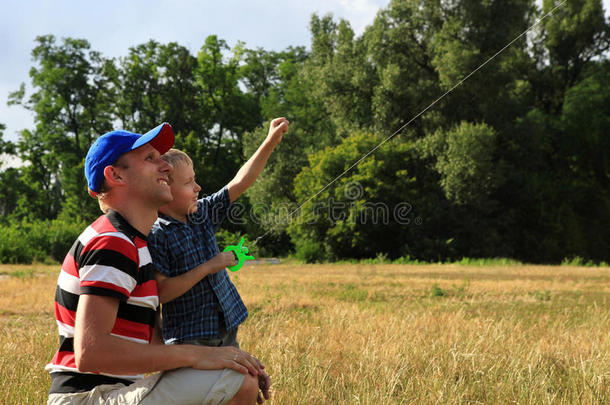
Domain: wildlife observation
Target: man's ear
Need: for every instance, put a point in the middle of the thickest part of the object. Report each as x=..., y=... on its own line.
x=113, y=176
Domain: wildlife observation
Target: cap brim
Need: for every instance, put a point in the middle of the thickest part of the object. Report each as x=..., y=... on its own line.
x=161, y=138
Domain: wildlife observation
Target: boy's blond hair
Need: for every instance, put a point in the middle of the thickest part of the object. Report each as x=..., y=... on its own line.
x=176, y=157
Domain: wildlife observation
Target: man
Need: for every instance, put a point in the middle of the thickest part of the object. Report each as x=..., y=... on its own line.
x=106, y=298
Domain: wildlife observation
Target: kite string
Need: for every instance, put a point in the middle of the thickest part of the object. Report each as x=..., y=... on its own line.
x=420, y=114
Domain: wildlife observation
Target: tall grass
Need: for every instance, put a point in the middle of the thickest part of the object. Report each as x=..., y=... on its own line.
x=28, y=335
x=381, y=334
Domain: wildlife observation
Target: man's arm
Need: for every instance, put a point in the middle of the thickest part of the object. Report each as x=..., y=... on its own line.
x=96, y=350
x=248, y=173
x=170, y=288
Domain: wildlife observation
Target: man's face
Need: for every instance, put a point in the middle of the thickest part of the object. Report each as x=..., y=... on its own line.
x=184, y=190
x=147, y=175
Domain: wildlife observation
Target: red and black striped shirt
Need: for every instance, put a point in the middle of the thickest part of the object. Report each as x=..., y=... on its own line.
x=109, y=258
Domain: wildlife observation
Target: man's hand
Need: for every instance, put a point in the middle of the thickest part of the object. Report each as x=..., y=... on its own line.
x=277, y=129
x=216, y=358
x=222, y=260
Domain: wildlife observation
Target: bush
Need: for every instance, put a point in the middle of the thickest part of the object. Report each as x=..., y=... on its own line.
x=409, y=260
x=14, y=246
x=227, y=238
x=581, y=262
x=309, y=251
x=60, y=236
x=489, y=261
x=27, y=242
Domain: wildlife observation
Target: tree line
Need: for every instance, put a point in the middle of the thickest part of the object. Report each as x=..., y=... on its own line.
x=514, y=162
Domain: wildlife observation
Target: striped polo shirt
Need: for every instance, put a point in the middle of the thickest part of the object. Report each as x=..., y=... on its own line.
x=109, y=258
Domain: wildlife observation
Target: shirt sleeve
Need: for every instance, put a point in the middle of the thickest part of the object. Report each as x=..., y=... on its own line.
x=215, y=207
x=158, y=247
x=109, y=266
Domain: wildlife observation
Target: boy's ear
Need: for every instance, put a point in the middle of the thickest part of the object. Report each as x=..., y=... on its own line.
x=113, y=176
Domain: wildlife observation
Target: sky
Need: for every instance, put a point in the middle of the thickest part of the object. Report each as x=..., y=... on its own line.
x=113, y=26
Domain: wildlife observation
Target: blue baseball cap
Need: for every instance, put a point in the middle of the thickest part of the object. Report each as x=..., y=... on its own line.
x=107, y=149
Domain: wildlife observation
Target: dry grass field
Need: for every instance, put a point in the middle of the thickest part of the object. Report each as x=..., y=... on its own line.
x=379, y=334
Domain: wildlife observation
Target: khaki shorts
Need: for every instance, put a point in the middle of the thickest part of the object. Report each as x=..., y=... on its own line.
x=180, y=386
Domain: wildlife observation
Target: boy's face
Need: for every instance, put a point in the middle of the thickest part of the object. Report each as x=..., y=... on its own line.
x=184, y=190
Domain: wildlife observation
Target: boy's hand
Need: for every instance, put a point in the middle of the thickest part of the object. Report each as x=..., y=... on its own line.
x=222, y=260
x=264, y=382
x=277, y=129
x=248, y=173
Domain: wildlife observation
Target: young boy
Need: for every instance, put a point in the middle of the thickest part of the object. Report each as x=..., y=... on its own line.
x=201, y=304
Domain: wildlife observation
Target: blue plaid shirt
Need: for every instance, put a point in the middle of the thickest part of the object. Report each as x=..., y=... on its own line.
x=177, y=247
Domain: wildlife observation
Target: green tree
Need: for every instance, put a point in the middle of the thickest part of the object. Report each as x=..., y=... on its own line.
x=290, y=94
x=555, y=196
x=229, y=111
x=472, y=32
x=139, y=103
x=370, y=210
x=399, y=46
x=585, y=149
x=6, y=147
x=70, y=106
x=344, y=78
x=11, y=185
x=154, y=83
x=577, y=34
x=466, y=161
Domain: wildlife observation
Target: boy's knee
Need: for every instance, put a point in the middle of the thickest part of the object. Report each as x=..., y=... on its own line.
x=247, y=392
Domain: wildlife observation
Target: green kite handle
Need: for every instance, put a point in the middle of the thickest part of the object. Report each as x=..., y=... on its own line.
x=241, y=252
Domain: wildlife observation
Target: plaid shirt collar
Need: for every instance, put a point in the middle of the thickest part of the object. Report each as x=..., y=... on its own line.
x=167, y=220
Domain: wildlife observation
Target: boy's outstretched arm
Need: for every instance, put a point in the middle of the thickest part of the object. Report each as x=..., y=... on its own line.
x=170, y=288
x=248, y=173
